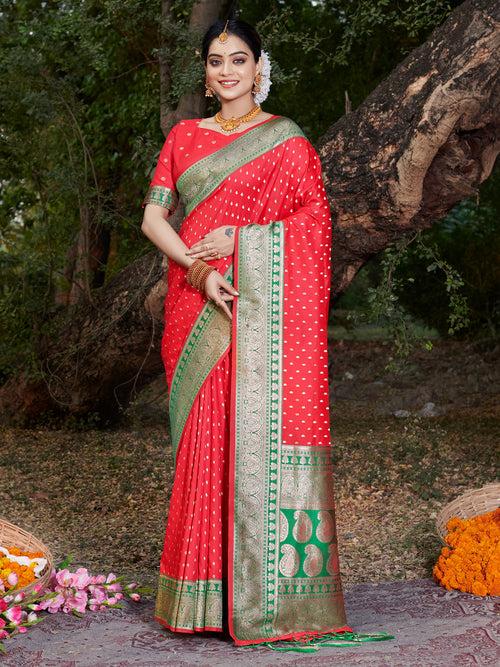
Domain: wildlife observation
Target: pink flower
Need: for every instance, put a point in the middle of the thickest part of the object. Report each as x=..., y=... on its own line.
x=98, y=593
x=81, y=578
x=4, y=634
x=132, y=585
x=22, y=629
x=111, y=577
x=32, y=617
x=20, y=596
x=14, y=614
x=37, y=588
x=113, y=588
x=12, y=579
x=135, y=597
x=53, y=605
x=99, y=579
x=64, y=578
x=3, y=623
x=78, y=602
x=3, y=605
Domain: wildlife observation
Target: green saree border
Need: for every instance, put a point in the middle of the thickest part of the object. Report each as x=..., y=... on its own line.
x=284, y=570
x=201, y=178
x=257, y=430
x=161, y=196
x=209, y=338
x=188, y=605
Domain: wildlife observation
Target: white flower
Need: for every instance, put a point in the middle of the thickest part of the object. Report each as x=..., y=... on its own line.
x=265, y=83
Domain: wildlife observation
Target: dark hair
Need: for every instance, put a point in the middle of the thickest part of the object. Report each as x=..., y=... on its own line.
x=237, y=27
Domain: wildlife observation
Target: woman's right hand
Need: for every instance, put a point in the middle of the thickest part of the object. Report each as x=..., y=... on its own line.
x=219, y=290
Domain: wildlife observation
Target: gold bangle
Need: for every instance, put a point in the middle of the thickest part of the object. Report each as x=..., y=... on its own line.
x=199, y=277
x=198, y=283
x=193, y=270
x=197, y=273
x=204, y=276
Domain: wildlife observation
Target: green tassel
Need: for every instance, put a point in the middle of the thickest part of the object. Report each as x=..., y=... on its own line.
x=329, y=639
x=296, y=649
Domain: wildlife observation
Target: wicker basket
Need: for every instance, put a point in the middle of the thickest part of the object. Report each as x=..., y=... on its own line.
x=12, y=536
x=472, y=503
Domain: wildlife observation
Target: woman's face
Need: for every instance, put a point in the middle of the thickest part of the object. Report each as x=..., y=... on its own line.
x=231, y=62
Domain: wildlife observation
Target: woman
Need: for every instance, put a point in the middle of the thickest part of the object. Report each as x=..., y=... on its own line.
x=250, y=542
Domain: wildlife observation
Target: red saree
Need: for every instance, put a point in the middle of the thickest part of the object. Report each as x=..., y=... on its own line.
x=250, y=540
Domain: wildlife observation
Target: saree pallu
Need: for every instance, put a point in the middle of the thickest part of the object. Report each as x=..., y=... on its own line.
x=251, y=541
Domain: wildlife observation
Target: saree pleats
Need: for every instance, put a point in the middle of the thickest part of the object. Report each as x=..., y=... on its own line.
x=192, y=569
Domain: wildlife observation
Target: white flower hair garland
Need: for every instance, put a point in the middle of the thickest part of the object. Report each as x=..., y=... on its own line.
x=266, y=82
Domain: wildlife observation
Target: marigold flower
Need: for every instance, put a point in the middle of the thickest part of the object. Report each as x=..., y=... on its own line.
x=471, y=561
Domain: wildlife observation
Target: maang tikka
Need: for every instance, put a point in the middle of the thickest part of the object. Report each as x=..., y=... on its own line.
x=223, y=35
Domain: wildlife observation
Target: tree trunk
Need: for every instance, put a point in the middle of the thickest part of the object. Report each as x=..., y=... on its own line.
x=191, y=105
x=422, y=141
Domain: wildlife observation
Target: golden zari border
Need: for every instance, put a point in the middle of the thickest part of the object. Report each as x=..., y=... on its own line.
x=188, y=605
x=208, y=339
x=285, y=569
x=161, y=196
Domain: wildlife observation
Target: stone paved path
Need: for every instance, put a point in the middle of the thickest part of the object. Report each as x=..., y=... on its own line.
x=431, y=626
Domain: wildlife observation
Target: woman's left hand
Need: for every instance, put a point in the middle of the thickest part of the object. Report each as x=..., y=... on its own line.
x=214, y=245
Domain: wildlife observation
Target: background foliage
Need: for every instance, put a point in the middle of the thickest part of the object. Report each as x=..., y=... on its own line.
x=79, y=101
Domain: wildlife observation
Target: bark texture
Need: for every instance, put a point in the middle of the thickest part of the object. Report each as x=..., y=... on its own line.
x=423, y=140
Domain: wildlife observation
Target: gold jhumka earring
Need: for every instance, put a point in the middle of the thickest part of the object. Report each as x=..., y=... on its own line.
x=257, y=82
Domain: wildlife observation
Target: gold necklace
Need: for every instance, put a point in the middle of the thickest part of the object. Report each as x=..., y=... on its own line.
x=229, y=124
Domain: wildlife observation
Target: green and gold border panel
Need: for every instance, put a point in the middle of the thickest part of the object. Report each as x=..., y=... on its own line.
x=199, y=180
x=161, y=196
x=186, y=605
x=257, y=429
x=209, y=338
x=310, y=595
x=285, y=563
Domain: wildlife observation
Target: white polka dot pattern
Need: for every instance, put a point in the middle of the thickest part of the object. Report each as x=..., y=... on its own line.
x=283, y=184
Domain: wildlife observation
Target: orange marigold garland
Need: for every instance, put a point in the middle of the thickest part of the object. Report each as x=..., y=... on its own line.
x=19, y=568
x=471, y=562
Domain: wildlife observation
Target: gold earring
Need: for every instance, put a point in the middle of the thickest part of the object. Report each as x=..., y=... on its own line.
x=208, y=90
x=257, y=82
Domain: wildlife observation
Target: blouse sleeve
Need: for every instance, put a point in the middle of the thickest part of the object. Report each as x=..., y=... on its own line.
x=162, y=190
